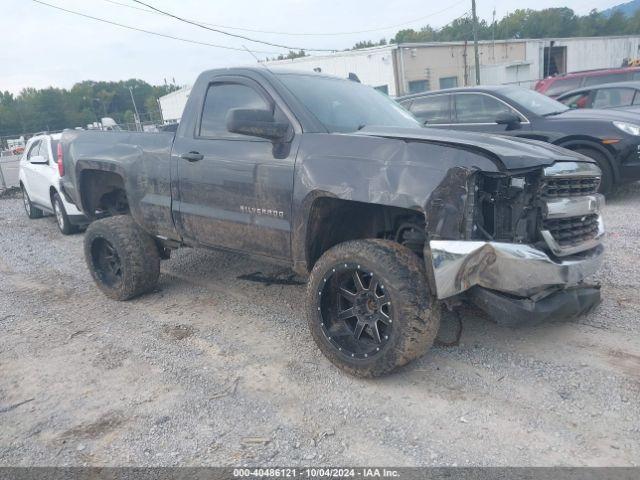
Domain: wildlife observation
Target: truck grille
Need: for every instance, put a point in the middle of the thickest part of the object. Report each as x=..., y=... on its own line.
x=572, y=231
x=569, y=187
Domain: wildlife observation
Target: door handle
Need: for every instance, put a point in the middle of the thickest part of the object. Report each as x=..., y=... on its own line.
x=192, y=156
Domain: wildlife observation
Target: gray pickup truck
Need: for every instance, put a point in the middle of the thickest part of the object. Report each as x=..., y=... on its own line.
x=387, y=219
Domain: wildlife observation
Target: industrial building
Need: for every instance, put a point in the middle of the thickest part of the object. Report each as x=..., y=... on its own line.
x=416, y=67
x=172, y=104
x=400, y=69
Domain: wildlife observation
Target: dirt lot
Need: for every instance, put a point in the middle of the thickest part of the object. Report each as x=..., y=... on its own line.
x=212, y=369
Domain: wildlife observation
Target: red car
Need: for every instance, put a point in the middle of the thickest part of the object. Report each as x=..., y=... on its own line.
x=556, y=86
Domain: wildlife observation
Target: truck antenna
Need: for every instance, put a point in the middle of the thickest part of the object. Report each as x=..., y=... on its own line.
x=257, y=59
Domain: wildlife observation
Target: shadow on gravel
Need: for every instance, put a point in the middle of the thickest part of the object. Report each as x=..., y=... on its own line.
x=285, y=277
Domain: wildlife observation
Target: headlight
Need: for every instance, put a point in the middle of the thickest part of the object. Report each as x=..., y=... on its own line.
x=630, y=128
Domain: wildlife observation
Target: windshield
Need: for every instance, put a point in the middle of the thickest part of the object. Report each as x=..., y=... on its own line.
x=533, y=101
x=346, y=106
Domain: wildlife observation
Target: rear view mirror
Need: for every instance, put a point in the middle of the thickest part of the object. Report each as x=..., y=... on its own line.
x=508, y=118
x=38, y=160
x=256, y=123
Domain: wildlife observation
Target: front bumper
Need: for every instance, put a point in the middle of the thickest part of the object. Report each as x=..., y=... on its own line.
x=565, y=304
x=516, y=284
x=514, y=269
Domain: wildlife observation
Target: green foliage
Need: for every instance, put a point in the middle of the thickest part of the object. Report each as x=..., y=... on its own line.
x=369, y=44
x=289, y=56
x=55, y=109
x=526, y=23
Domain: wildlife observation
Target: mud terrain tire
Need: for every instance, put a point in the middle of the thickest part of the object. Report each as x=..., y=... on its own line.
x=389, y=274
x=122, y=258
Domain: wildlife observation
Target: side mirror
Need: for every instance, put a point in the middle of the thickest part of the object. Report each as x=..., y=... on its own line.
x=38, y=160
x=256, y=123
x=507, y=118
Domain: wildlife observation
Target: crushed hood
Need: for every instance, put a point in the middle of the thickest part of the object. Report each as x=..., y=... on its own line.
x=510, y=152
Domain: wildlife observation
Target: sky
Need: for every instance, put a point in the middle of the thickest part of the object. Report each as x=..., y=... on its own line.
x=42, y=46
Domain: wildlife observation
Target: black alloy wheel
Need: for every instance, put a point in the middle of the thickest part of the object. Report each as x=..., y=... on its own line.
x=106, y=262
x=357, y=314
x=369, y=306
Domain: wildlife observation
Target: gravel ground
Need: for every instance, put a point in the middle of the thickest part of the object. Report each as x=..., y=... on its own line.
x=211, y=369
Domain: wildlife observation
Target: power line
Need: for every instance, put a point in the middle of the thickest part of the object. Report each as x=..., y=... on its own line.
x=196, y=24
x=378, y=29
x=149, y=31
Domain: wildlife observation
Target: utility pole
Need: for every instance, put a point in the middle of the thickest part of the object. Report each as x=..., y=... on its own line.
x=466, y=64
x=475, y=40
x=493, y=35
x=137, y=119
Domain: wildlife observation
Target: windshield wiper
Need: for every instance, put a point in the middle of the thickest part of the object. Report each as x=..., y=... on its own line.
x=360, y=127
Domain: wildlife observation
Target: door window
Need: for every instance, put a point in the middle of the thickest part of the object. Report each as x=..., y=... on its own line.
x=44, y=150
x=478, y=108
x=34, y=150
x=222, y=97
x=613, y=97
x=578, y=100
x=432, y=110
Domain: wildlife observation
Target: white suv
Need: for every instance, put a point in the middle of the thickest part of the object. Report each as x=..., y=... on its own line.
x=40, y=183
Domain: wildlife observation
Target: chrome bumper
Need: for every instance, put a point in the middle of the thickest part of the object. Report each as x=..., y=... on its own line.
x=520, y=270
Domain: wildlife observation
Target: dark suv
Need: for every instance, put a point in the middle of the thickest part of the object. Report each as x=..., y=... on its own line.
x=611, y=138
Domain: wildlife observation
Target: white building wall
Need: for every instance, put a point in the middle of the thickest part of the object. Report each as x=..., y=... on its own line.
x=374, y=66
x=172, y=104
x=513, y=73
x=585, y=53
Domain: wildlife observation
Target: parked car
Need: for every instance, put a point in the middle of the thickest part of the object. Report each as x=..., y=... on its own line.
x=340, y=183
x=610, y=137
x=555, y=86
x=40, y=183
x=622, y=95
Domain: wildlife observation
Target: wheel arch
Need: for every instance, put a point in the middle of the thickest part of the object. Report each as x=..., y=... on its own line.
x=101, y=190
x=349, y=220
x=52, y=192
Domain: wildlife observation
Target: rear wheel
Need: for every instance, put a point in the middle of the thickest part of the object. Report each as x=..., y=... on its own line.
x=122, y=258
x=32, y=212
x=606, y=183
x=62, y=219
x=369, y=307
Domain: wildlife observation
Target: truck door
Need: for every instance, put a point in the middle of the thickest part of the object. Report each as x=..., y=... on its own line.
x=233, y=191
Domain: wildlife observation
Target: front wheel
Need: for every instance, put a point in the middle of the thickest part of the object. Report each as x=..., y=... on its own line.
x=370, y=310
x=32, y=212
x=62, y=219
x=123, y=259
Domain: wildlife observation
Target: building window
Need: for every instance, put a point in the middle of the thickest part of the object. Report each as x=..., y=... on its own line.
x=555, y=60
x=417, y=86
x=448, y=82
x=383, y=88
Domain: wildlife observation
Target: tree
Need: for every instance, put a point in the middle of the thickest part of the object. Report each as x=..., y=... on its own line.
x=86, y=102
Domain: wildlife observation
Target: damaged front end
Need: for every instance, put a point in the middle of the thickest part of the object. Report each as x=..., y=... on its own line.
x=520, y=245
